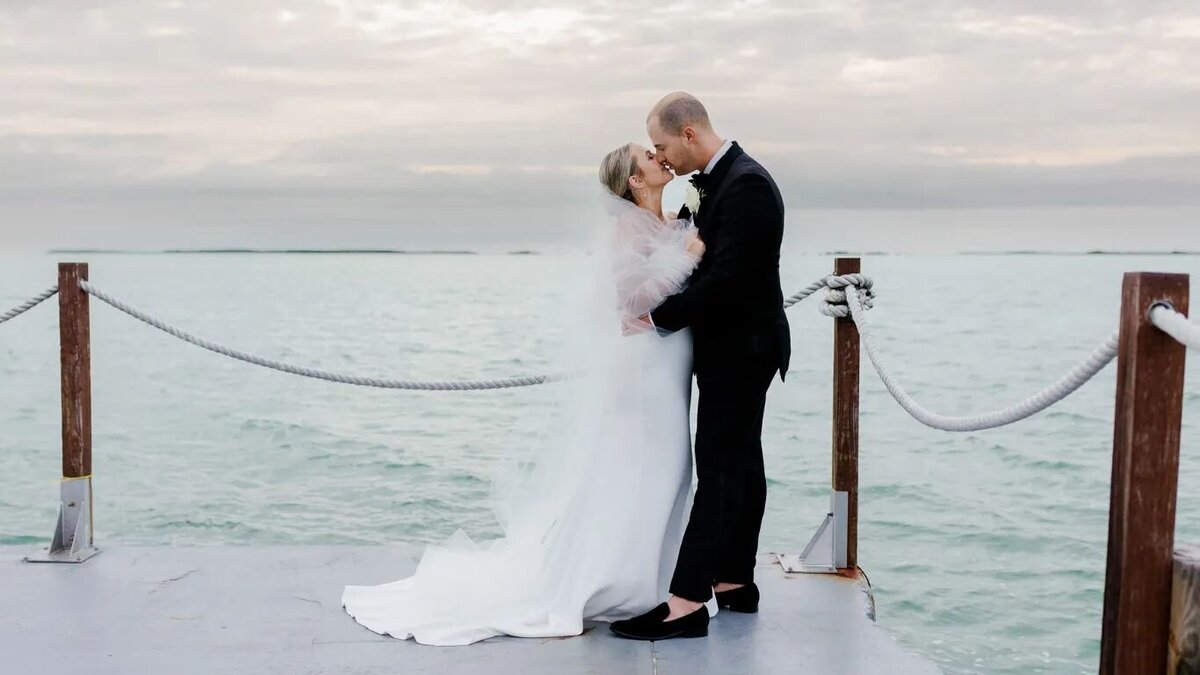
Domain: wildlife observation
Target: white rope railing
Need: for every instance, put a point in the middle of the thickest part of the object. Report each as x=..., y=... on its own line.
x=832, y=282
x=1171, y=322
x=848, y=296
x=1045, y=398
x=28, y=304
x=380, y=383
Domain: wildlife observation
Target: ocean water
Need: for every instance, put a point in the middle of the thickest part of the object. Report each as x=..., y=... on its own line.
x=986, y=550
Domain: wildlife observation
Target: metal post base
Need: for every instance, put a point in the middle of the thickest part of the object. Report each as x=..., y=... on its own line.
x=826, y=551
x=72, y=541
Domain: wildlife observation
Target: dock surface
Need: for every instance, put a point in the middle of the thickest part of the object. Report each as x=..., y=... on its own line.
x=277, y=610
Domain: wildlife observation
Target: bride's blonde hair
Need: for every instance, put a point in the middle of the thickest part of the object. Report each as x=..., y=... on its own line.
x=616, y=169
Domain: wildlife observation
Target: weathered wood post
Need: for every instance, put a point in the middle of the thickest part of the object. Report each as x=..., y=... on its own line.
x=75, y=354
x=1145, y=474
x=845, y=414
x=72, y=541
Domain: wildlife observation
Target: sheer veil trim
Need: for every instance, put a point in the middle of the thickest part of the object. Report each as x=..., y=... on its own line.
x=636, y=262
x=594, y=508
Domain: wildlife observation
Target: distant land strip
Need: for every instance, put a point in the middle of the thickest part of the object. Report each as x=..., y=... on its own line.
x=873, y=254
x=1096, y=252
x=277, y=251
x=392, y=251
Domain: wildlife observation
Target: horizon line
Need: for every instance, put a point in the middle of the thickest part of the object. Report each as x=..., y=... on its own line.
x=394, y=251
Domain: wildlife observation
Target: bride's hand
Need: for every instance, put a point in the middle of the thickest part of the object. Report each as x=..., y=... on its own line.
x=696, y=245
x=633, y=326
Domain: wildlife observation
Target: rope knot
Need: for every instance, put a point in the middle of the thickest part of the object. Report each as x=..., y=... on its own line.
x=835, y=304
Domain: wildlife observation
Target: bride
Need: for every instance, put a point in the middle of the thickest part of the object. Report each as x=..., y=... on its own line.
x=593, y=518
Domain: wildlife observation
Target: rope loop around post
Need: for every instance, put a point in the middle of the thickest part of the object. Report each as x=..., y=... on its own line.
x=833, y=284
x=1170, y=321
x=835, y=304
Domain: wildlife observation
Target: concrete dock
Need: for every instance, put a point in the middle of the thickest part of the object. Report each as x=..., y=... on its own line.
x=276, y=610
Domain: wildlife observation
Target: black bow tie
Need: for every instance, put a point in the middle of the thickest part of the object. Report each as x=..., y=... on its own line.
x=700, y=181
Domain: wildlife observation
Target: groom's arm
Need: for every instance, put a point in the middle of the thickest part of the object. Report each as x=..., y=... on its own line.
x=745, y=234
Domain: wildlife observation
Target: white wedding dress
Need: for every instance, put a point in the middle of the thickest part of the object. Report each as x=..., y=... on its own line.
x=593, y=517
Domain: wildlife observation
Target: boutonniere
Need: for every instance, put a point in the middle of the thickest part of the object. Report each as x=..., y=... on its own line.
x=693, y=196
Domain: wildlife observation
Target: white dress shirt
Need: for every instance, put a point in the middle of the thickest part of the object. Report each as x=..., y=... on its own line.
x=712, y=163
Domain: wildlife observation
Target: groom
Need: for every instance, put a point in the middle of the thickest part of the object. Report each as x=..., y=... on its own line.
x=734, y=306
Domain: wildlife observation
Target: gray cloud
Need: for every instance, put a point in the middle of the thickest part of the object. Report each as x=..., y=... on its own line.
x=423, y=118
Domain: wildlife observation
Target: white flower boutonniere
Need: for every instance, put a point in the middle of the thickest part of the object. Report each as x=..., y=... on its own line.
x=691, y=199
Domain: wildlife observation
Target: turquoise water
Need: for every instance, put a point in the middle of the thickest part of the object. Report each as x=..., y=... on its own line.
x=986, y=549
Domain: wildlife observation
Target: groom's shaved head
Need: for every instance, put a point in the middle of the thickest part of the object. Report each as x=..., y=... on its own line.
x=678, y=110
x=683, y=137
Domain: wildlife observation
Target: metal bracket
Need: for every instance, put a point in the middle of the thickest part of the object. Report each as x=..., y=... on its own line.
x=72, y=541
x=826, y=551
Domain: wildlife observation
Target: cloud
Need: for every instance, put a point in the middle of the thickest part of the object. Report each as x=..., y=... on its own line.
x=490, y=106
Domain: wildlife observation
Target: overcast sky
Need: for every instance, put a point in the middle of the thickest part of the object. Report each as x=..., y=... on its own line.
x=135, y=123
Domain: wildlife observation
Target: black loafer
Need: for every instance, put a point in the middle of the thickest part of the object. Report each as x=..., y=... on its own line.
x=650, y=626
x=744, y=599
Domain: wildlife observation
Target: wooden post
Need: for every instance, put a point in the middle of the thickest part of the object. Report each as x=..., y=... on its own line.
x=1184, y=657
x=75, y=353
x=845, y=414
x=1145, y=474
x=73, y=541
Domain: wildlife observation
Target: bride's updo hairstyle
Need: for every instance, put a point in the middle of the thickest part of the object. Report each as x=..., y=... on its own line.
x=615, y=170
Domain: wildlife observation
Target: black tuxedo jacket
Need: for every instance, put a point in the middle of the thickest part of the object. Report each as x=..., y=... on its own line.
x=733, y=301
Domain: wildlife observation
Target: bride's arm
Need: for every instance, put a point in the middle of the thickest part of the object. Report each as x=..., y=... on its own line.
x=651, y=267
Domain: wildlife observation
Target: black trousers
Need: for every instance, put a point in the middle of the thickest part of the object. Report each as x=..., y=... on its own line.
x=720, y=543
